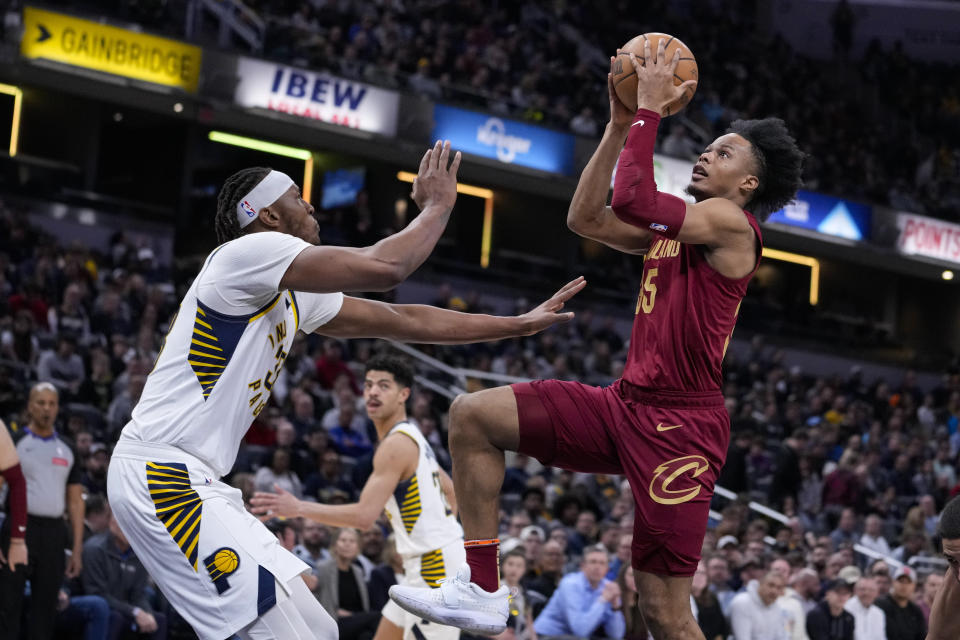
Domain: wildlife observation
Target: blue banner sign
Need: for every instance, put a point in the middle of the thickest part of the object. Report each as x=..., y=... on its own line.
x=508, y=141
x=826, y=214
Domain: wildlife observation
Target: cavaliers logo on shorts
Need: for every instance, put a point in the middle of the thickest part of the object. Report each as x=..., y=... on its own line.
x=671, y=480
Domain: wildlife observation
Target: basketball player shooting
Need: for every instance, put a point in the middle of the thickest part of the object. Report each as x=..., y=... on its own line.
x=664, y=424
x=222, y=570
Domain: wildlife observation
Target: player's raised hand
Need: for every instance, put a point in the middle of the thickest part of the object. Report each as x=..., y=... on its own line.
x=620, y=115
x=436, y=181
x=282, y=503
x=548, y=313
x=655, y=88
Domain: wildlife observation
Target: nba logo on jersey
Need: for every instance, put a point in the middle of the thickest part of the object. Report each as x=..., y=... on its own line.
x=653, y=225
x=248, y=209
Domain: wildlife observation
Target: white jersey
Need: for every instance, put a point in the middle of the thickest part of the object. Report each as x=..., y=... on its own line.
x=421, y=518
x=225, y=348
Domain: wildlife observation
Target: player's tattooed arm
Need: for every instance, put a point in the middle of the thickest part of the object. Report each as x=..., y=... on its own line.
x=418, y=323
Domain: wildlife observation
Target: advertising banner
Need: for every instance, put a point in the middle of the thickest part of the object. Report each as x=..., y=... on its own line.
x=316, y=95
x=508, y=141
x=922, y=236
x=82, y=43
x=826, y=214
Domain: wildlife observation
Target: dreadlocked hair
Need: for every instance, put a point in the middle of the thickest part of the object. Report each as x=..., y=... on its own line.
x=234, y=188
x=779, y=163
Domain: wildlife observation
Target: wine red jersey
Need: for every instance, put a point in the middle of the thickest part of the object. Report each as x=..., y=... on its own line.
x=685, y=315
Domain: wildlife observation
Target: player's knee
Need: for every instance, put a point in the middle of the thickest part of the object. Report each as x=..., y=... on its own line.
x=463, y=420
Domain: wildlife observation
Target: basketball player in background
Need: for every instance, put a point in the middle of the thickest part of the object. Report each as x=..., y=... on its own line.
x=663, y=424
x=408, y=482
x=945, y=613
x=215, y=562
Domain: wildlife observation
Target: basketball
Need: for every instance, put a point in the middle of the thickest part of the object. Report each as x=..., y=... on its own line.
x=625, y=78
x=226, y=561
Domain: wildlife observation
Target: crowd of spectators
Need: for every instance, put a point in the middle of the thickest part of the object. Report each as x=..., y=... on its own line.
x=880, y=127
x=545, y=62
x=850, y=462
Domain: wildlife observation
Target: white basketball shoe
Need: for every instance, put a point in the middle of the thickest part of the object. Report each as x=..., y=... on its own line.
x=457, y=603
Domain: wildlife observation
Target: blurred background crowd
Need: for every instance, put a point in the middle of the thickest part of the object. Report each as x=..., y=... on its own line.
x=835, y=474
x=846, y=460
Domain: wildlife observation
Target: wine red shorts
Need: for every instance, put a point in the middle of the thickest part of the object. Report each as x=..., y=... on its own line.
x=670, y=446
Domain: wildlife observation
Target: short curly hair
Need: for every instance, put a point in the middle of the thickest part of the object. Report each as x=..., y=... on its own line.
x=949, y=527
x=779, y=163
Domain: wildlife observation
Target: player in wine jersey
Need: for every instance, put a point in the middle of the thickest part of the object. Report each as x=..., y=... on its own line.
x=217, y=564
x=408, y=483
x=663, y=425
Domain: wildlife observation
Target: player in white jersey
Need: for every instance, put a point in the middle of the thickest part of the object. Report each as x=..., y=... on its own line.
x=408, y=483
x=217, y=564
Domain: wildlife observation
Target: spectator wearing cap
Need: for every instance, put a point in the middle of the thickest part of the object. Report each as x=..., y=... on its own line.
x=829, y=620
x=532, y=538
x=755, y=614
x=94, y=477
x=585, y=602
x=904, y=618
x=870, y=623
x=872, y=537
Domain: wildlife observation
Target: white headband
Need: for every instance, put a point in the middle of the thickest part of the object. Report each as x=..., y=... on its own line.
x=263, y=195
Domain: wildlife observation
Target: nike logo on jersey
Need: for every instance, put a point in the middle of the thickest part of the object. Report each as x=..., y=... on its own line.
x=638, y=122
x=22, y=528
x=660, y=427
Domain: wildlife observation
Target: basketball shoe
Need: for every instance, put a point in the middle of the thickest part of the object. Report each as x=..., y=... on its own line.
x=457, y=602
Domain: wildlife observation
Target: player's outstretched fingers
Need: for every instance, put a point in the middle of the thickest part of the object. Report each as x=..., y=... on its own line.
x=675, y=60
x=662, y=51
x=635, y=62
x=444, y=156
x=435, y=159
x=455, y=166
x=571, y=289
x=425, y=162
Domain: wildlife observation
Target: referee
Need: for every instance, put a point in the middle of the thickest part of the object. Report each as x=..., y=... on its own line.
x=51, y=467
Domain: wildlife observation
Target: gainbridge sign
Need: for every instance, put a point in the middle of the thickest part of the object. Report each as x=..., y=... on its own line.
x=82, y=43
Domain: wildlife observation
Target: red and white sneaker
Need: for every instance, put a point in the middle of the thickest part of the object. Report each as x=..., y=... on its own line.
x=457, y=602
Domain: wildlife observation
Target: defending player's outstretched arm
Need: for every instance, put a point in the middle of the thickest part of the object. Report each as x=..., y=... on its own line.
x=395, y=459
x=389, y=262
x=360, y=318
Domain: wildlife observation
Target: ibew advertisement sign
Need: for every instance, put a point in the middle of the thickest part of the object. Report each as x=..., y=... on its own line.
x=826, y=214
x=316, y=95
x=505, y=140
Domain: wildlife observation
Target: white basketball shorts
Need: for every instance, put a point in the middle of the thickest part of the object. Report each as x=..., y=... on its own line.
x=216, y=563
